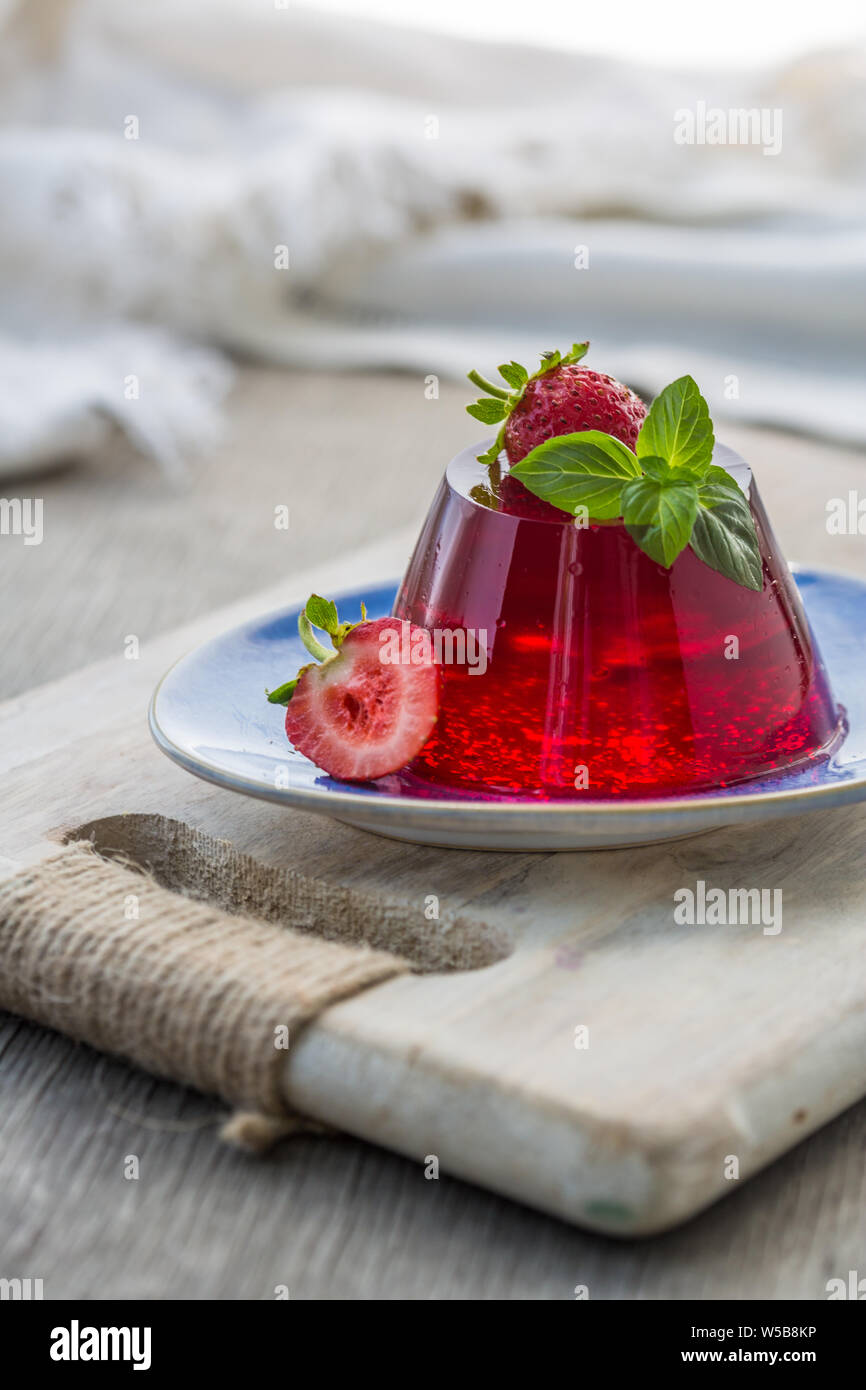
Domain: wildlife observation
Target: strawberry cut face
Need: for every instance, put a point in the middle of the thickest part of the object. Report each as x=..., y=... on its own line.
x=362, y=714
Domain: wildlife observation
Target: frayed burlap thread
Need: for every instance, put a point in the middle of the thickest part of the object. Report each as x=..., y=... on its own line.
x=103, y=953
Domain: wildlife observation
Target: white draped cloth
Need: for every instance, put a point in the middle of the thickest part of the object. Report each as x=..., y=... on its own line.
x=184, y=181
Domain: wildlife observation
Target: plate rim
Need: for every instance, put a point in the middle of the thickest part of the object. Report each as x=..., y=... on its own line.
x=440, y=808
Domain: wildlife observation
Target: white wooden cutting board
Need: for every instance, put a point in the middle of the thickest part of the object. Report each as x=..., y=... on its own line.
x=564, y=1041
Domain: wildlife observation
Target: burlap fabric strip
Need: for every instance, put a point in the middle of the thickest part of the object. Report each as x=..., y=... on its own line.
x=103, y=953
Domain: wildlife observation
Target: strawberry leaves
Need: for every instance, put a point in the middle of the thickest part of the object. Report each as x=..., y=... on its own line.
x=321, y=613
x=283, y=693
x=497, y=403
x=489, y=412
x=515, y=375
x=668, y=492
x=551, y=360
x=318, y=613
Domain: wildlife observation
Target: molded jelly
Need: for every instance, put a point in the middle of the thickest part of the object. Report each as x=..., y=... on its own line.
x=606, y=675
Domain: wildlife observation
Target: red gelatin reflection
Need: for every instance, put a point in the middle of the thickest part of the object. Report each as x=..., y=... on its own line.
x=654, y=681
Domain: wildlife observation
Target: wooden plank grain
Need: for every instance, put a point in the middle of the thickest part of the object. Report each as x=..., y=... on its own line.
x=337, y=1219
x=333, y=1218
x=709, y=1043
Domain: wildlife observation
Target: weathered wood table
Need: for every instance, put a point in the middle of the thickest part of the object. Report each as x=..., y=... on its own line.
x=327, y=1217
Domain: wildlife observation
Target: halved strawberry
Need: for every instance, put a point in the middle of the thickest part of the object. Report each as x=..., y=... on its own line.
x=362, y=713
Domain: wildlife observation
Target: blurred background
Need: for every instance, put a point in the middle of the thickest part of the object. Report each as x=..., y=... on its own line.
x=249, y=248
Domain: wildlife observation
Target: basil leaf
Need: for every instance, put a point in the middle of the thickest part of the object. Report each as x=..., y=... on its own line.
x=662, y=471
x=718, y=484
x=586, y=469
x=659, y=512
x=724, y=534
x=678, y=428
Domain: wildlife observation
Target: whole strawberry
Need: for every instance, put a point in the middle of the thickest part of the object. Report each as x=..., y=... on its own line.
x=560, y=398
x=569, y=399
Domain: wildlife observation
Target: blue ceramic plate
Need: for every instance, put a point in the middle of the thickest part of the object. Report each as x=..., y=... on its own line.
x=210, y=715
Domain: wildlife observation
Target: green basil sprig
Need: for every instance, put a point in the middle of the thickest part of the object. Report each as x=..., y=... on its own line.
x=668, y=492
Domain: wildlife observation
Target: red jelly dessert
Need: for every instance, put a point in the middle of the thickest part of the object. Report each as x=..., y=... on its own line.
x=599, y=672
